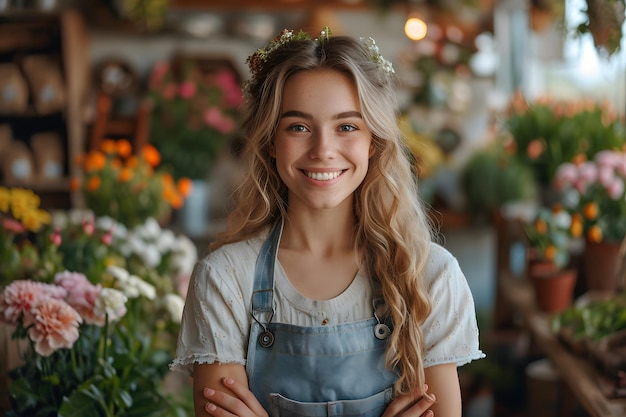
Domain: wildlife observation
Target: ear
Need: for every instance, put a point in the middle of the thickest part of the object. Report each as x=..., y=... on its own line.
x=372, y=148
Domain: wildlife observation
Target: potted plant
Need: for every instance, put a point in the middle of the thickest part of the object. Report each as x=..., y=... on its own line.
x=194, y=117
x=594, y=192
x=546, y=133
x=491, y=178
x=549, y=241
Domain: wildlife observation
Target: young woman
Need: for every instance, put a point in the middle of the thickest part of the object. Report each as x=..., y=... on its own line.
x=326, y=295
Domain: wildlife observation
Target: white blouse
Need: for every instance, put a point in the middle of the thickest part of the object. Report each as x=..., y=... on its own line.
x=216, y=318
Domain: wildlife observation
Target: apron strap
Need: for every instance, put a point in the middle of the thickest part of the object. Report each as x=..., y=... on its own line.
x=262, y=301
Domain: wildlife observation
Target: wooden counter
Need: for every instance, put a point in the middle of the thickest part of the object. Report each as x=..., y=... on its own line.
x=582, y=377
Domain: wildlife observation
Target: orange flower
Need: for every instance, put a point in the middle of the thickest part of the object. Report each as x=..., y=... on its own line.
x=184, y=186
x=576, y=229
x=550, y=252
x=535, y=148
x=109, y=146
x=116, y=163
x=151, y=155
x=594, y=234
x=126, y=175
x=95, y=161
x=132, y=162
x=167, y=179
x=94, y=183
x=590, y=210
x=74, y=184
x=124, y=148
x=541, y=226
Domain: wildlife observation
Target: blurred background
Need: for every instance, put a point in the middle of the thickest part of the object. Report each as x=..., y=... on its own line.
x=496, y=96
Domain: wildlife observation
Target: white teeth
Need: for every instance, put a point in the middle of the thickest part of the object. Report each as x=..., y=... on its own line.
x=323, y=176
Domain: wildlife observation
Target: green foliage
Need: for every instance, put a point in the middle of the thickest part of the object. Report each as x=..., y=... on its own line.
x=491, y=178
x=594, y=321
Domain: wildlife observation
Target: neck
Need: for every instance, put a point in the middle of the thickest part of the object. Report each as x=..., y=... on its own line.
x=321, y=233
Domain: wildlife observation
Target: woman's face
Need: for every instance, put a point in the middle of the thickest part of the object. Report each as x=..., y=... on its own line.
x=322, y=145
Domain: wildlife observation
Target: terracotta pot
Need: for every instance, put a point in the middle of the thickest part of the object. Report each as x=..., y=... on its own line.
x=600, y=261
x=553, y=288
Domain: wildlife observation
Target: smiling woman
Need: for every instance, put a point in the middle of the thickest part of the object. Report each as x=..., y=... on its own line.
x=354, y=308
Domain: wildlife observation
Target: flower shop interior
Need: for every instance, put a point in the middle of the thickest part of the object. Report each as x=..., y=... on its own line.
x=119, y=148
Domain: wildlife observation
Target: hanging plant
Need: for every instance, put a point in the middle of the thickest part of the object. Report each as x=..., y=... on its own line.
x=604, y=22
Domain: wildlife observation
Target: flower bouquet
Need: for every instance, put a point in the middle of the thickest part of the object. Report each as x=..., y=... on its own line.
x=129, y=187
x=97, y=329
x=194, y=115
x=594, y=191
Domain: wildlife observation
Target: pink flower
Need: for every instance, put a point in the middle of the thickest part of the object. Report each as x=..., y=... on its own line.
x=607, y=158
x=565, y=175
x=187, y=90
x=55, y=237
x=230, y=88
x=89, y=227
x=22, y=296
x=107, y=237
x=54, y=326
x=606, y=175
x=214, y=118
x=13, y=226
x=588, y=172
x=615, y=188
x=82, y=295
x=158, y=73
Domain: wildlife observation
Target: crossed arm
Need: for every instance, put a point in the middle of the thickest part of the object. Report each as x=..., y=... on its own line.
x=221, y=390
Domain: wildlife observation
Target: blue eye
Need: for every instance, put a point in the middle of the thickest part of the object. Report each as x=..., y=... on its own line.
x=347, y=128
x=297, y=128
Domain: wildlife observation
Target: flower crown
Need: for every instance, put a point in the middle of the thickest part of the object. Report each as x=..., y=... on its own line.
x=261, y=56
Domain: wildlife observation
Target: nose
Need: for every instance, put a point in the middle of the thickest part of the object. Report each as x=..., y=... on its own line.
x=322, y=146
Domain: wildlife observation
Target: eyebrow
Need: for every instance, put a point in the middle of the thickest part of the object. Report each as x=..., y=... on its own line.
x=344, y=115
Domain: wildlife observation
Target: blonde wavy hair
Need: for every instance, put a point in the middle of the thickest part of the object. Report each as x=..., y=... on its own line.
x=392, y=230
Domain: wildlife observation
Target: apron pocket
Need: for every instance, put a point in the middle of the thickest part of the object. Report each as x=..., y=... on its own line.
x=372, y=406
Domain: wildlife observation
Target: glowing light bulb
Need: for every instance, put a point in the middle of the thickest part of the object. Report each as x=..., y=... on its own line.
x=415, y=28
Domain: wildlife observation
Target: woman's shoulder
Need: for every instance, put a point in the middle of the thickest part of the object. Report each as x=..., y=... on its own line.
x=442, y=269
x=237, y=253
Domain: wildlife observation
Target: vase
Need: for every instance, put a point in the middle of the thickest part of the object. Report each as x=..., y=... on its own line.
x=193, y=217
x=553, y=287
x=600, y=265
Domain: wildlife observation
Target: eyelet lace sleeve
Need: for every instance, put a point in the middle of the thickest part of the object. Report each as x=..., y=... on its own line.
x=451, y=330
x=215, y=322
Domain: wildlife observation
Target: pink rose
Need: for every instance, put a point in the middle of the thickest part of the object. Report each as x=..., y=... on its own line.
x=606, y=175
x=54, y=326
x=214, y=118
x=565, y=175
x=21, y=296
x=82, y=295
x=607, y=158
x=615, y=188
x=187, y=90
x=588, y=172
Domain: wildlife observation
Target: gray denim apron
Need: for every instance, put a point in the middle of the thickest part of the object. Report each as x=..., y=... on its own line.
x=336, y=370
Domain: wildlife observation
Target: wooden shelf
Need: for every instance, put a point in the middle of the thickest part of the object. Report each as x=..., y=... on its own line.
x=582, y=377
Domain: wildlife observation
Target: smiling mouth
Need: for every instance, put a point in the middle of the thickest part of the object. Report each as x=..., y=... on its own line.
x=323, y=176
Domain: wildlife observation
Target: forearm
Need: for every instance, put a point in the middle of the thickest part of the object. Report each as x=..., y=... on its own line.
x=210, y=376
